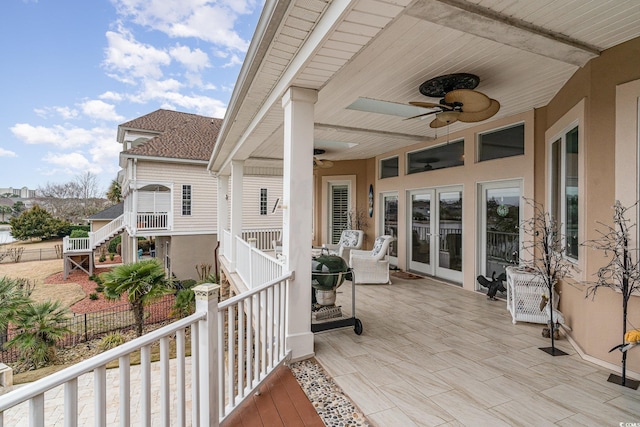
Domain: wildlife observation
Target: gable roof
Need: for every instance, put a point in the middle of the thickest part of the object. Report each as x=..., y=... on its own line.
x=112, y=212
x=182, y=135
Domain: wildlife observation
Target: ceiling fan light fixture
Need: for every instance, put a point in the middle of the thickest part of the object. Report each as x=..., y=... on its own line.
x=448, y=116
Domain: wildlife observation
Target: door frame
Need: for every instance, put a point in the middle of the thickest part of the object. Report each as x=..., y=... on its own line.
x=482, y=188
x=393, y=260
x=415, y=265
x=327, y=183
x=443, y=272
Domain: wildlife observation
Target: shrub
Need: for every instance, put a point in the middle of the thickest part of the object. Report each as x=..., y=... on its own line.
x=111, y=340
x=93, y=296
x=79, y=233
x=111, y=256
x=102, y=258
x=114, y=243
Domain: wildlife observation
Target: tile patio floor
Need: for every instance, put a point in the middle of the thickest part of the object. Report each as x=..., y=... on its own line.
x=432, y=354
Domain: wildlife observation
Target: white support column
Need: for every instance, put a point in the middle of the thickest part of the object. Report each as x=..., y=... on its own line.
x=223, y=206
x=207, y=301
x=237, y=178
x=297, y=223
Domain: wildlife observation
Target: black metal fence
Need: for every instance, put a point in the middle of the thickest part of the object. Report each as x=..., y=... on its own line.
x=30, y=255
x=89, y=326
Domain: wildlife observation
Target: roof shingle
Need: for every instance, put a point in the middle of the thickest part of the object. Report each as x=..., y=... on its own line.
x=184, y=135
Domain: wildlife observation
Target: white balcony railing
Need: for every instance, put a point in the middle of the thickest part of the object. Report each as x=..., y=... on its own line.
x=152, y=221
x=253, y=339
x=76, y=244
x=226, y=244
x=263, y=236
x=254, y=266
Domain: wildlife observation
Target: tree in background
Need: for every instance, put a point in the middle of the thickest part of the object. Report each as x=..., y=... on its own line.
x=37, y=223
x=5, y=210
x=18, y=207
x=114, y=193
x=74, y=200
x=143, y=282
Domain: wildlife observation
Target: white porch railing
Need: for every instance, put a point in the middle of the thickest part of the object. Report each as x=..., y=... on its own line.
x=252, y=353
x=76, y=244
x=256, y=341
x=263, y=236
x=100, y=236
x=254, y=266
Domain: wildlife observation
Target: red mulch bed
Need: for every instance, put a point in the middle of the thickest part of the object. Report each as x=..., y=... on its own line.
x=85, y=305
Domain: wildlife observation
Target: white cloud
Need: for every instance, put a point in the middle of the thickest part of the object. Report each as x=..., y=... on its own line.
x=98, y=109
x=127, y=60
x=61, y=136
x=111, y=96
x=7, y=153
x=66, y=113
x=205, y=20
x=193, y=60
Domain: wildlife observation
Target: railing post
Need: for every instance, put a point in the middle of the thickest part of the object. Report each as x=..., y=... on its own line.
x=207, y=301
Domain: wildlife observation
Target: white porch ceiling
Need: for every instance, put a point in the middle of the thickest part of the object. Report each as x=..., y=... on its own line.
x=523, y=51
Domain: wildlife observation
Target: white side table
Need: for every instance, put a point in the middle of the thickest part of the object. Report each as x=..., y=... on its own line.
x=524, y=294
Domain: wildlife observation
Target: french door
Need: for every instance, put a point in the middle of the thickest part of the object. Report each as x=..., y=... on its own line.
x=499, y=237
x=435, y=241
x=389, y=208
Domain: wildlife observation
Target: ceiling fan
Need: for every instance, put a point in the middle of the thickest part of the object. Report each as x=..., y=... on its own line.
x=317, y=163
x=459, y=101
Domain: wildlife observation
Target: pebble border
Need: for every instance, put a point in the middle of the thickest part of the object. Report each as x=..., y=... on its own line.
x=333, y=406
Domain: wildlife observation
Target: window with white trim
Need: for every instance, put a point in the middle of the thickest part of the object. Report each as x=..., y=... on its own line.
x=263, y=201
x=186, y=200
x=564, y=188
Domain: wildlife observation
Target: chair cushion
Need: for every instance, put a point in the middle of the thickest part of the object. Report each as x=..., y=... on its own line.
x=377, y=245
x=349, y=238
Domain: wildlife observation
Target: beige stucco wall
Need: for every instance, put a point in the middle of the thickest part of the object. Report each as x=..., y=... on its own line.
x=597, y=324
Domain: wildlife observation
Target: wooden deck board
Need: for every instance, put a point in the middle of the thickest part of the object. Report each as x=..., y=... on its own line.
x=281, y=402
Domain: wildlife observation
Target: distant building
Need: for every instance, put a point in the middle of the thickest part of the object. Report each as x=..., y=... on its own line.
x=23, y=192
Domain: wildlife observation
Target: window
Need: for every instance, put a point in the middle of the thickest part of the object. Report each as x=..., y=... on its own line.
x=564, y=188
x=440, y=157
x=501, y=143
x=389, y=167
x=263, y=201
x=186, y=200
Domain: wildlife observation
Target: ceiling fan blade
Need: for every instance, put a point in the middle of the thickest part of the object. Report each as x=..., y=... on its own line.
x=326, y=164
x=422, y=115
x=479, y=116
x=430, y=105
x=472, y=101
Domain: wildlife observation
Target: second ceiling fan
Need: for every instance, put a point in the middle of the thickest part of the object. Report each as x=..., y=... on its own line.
x=459, y=101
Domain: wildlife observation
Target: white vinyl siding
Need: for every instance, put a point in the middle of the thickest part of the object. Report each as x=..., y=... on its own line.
x=203, y=193
x=251, y=201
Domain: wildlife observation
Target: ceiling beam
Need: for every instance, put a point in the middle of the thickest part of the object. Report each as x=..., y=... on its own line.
x=486, y=23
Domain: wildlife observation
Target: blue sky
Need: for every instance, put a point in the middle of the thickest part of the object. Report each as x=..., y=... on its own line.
x=72, y=70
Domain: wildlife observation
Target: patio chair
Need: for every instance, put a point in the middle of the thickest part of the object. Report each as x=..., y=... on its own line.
x=372, y=267
x=349, y=239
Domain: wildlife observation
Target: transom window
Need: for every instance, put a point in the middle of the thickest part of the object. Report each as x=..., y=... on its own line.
x=501, y=143
x=389, y=167
x=564, y=188
x=186, y=200
x=440, y=157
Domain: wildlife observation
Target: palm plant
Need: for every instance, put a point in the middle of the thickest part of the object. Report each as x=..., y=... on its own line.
x=143, y=282
x=41, y=326
x=12, y=298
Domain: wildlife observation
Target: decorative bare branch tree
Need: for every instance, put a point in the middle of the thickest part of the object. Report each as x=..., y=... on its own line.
x=622, y=273
x=546, y=260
